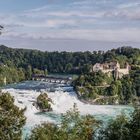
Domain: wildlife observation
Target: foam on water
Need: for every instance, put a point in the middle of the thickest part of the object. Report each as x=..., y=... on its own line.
x=27, y=97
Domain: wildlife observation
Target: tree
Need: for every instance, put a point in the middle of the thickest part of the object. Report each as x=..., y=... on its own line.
x=122, y=128
x=116, y=130
x=115, y=88
x=78, y=127
x=72, y=127
x=68, y=67
x=43, y=102
x=135, y=75
x=38, y=72
x=12, y=119
x=128, y=90
x=46, y=131
x=134, y=125
x=28, y=72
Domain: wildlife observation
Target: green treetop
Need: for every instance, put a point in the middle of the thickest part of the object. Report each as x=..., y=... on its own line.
x=12, y=119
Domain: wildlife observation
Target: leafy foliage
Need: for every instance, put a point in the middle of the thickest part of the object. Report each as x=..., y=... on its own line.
x=106, y=89
x=94, y=79
x=11, y=118
x=43, y=102
x=11, y=74
x=65, y=62
x=122, y=128
x=73, y=127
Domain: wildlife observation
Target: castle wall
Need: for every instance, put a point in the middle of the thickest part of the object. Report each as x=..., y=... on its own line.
x=107, y=70
x=115, y=68
x=123, y=71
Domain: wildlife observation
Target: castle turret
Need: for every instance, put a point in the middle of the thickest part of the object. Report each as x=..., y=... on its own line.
x=127, y=66
x=118, y=65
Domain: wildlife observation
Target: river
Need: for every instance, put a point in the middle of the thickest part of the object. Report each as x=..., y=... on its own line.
x=63, y=97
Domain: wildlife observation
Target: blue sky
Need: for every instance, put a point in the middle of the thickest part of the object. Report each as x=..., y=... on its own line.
x=70, y=25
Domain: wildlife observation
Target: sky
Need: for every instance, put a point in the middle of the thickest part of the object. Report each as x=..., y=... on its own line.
x=70, y=25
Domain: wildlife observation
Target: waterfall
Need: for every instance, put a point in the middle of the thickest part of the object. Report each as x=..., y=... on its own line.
x=26, y=93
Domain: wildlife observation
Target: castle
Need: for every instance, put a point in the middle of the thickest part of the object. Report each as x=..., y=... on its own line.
x=112, y=68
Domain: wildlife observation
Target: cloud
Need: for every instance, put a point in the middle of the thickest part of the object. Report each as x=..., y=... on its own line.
x=122, y=35
x=123, y=14
x=89, y=20
x=129, y=5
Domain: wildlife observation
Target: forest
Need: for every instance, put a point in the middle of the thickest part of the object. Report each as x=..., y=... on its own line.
x=23, y=62
x=66, y=62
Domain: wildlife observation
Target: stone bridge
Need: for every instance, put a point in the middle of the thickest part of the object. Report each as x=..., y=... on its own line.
x=52, y=79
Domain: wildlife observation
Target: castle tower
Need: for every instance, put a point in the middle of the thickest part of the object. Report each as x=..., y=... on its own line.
x=118, y=65
x=127, y=66
x=116, y=73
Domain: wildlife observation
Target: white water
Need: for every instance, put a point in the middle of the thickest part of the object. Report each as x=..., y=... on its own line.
x=62, y=101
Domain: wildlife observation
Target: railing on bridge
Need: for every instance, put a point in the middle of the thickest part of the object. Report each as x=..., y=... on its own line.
x=52, y=79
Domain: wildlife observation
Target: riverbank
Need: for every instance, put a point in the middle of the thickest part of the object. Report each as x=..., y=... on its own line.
x=105, y=100
x=99, y=88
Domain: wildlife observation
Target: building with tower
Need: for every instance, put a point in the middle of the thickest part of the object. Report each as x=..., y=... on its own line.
x=112, y=68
